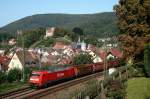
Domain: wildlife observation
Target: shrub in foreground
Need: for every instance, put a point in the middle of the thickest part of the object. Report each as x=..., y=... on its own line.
x=147, y=60
x=14, y=75
x=3, y=77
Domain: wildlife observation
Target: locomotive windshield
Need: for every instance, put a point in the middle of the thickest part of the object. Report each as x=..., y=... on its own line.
x=35, y=75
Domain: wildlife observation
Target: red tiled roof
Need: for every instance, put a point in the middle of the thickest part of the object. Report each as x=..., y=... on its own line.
x=116, y=52
x=4, y=59
x=66, y=61
x=59, y=45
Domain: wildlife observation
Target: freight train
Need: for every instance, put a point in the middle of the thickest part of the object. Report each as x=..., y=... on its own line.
x=45, y=77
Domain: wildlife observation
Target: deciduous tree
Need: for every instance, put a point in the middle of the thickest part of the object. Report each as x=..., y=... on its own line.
x=133, y=24
x=82, y=59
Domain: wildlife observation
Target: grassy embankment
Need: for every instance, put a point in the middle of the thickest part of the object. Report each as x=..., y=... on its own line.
x=6, y=87
x=138, y=88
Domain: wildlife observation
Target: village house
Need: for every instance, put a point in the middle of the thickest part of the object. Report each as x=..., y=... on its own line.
x=47, y=60
x=60, y=55
x=12, y=42
x=65, y=60
x=80, y=45
x=60, y=45
x=2, y=52
x=91, y=47
x=20, y=58
x=50, y=31
x=54, y=53
x=113, y=53
x=109, y=43
x=96, y=58
x=104, y=39
x=68, y=51
x=105, y=55
x=116, y=53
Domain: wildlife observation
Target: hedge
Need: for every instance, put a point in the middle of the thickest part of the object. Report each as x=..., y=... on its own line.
x=147, y=60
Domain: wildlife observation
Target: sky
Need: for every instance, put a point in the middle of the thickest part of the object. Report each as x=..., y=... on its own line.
x=12, y=10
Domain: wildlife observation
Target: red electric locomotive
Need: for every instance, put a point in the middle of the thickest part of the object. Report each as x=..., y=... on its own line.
x=43, y=78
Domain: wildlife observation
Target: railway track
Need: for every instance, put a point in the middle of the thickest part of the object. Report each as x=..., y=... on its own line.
x=12, y=94
x=36, y=94
x=50, y=90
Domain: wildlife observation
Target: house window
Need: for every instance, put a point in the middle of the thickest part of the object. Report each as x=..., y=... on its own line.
x=27, y=63
x=33, y=62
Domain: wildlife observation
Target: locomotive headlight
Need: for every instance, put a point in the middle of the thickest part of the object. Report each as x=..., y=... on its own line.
x=31, y=79
x=34, y=79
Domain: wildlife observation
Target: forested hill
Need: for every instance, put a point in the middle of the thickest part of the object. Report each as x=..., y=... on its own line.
x=95, y=24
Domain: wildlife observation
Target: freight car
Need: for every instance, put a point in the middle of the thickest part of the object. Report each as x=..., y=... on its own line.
x=45, y=77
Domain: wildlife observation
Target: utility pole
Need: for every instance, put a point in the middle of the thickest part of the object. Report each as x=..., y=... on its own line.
x=105, y=58
x=23, y=57
x=40, y=58
x=23, y=53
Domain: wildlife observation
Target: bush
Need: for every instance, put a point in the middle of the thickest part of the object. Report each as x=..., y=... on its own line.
x=122, y=62
x=115, y=89
x=147, y=60
x=14, y=75
x=3, y=77
x=46, y=42
x=83, y=59
x=138, y=70
x=27, y=72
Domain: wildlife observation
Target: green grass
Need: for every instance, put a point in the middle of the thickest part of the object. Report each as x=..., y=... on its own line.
x=6, y=87
x=138, y=88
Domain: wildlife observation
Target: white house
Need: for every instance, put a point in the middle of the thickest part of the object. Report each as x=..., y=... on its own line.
x=110, y=56
x=15, y=62
x=68, y=51
x=55, y=53
x=50, y=31
x=83, y=46
x=18, y=60
x=12, y=42
x=2, y=52
x=95, y=57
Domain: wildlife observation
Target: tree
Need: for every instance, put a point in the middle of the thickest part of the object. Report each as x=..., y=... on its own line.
x=46, y=42
x=74, y=37
x=93, y=40
x=27, y=72
x=31, y=36
x=133, y=24
x=147, y=59
x=4, y=36
x=83, y=58
x=78, y=31
x=60, y=32
x=147, y=7
x=3, y=77
x=132, y=17
x=14, y=75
